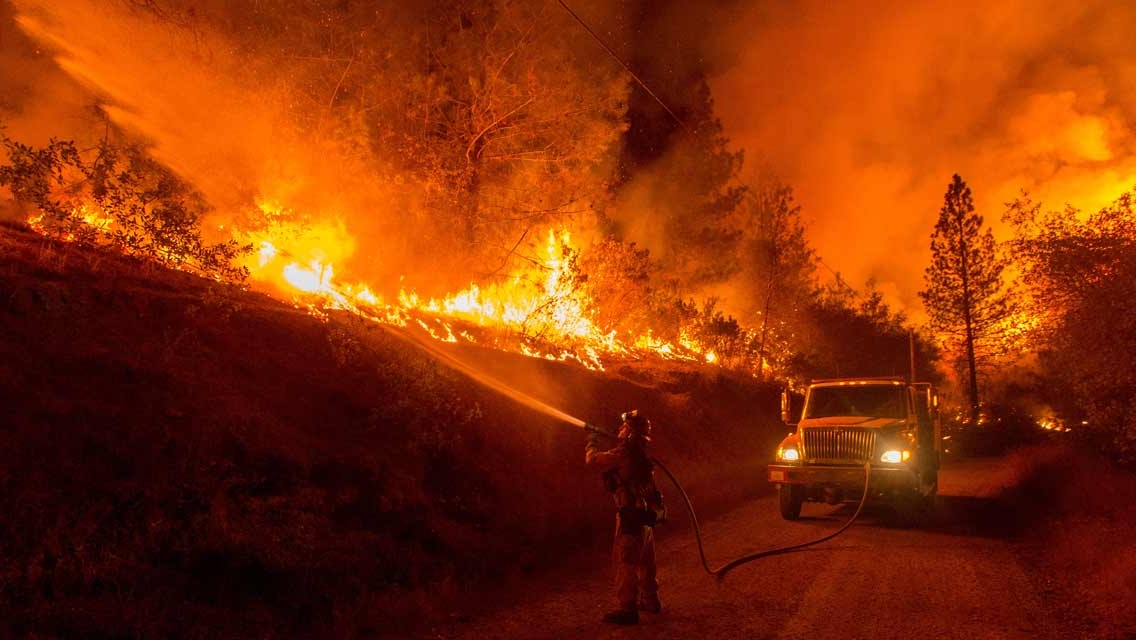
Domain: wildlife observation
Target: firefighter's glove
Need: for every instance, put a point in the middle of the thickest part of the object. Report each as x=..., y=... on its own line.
x=596, y=437
x=594, y=441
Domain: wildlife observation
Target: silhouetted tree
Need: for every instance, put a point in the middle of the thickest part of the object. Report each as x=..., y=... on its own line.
x=965, y=297
x=845, y=332
x=694, y=195
x=1080, y=272
x=778, y=263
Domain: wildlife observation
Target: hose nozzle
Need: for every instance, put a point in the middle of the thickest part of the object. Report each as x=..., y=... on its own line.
x=591, y=428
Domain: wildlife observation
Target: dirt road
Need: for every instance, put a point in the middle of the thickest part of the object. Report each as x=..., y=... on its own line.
x=959, y=576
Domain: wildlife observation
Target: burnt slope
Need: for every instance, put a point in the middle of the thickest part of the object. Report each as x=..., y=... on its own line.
x=181, y=458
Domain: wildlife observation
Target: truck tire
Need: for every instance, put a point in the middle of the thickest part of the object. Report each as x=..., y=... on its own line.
x=929, y=500
x=928, y=492
x=792, y=497
x=915, y=508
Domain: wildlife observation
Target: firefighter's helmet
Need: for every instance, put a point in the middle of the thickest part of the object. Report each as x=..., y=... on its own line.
x=638, y=423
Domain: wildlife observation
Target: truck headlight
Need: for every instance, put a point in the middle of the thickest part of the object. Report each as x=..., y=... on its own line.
x=895, y=456
x=788, y=454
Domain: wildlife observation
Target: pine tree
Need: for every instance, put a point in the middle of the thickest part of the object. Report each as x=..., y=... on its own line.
x=964, y=295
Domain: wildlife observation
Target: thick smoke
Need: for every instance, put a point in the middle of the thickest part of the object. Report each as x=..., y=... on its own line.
x=865, y=108
x=235, y=110
x=868, y=108
x=173, y=87
x=221, y=120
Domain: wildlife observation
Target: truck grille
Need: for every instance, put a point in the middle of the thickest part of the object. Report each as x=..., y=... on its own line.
x=839, y=444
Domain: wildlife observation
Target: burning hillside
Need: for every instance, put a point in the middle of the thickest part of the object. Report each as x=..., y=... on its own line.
x=533, y=311
x=502, y=214
x=186, y=458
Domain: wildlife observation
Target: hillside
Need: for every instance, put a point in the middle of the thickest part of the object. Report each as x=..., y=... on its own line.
x=186, y=459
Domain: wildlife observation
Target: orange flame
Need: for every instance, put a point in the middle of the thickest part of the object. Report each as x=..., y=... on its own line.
x=543, y=306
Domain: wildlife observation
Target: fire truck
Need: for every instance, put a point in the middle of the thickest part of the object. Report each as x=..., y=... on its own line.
x=885, y=431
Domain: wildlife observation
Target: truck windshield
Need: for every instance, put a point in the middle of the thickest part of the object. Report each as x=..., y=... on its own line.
x=877, y=401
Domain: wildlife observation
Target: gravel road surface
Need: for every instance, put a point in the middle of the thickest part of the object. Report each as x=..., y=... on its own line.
x=957, y=576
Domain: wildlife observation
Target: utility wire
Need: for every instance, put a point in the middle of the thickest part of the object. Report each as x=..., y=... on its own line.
x=623, y=64
x=836, y=274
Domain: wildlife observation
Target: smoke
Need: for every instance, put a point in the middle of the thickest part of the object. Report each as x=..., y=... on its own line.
x=174, y=89
x=868, y=108
x=215, y=115
x=36, y=101
x=865, y=108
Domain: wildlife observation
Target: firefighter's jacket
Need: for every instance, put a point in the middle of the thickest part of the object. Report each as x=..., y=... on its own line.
x=628, y=472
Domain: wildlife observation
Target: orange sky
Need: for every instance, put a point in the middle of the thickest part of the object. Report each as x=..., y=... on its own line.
x=868, y=108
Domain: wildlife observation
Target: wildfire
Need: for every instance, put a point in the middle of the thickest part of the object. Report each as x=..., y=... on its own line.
x=541, y=312
x=315, y=278
x=95, y=220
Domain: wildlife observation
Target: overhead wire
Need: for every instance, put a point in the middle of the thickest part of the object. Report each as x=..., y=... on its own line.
x=623, y=64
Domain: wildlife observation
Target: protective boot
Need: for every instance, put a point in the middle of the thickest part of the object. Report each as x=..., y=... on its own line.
x=622, y=616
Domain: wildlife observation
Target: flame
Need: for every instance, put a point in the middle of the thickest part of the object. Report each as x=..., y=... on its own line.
x=541, y=311
x=95, y=218
x=313, y=279
x=543, y=306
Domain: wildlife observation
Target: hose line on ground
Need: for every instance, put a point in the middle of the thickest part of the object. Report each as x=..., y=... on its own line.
x=721, y=572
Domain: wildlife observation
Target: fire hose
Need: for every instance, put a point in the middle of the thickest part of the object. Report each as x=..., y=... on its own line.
x=720, y=572
x=527, y=400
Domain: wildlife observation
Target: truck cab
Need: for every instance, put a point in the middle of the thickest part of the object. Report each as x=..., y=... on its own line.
x=886, y=423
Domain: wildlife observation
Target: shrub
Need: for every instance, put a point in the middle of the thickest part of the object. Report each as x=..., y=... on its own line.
x=116, y=195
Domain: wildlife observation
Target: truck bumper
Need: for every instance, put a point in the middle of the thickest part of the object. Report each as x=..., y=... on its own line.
x=843, y=478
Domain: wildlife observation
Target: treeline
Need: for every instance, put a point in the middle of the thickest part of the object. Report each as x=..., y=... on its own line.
x=1043, y=322
x=1079, y=271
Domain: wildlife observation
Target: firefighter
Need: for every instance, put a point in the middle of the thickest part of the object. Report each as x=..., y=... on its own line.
x=630, y=478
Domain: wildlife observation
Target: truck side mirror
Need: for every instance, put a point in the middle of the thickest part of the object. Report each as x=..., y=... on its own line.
x=785, y=406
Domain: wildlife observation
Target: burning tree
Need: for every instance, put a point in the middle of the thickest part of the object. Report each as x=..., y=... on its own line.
x=965, y=296
x=474, y=125
x=620, y=279
x=778, y=263
x=499, y=115
x=1081, y=273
